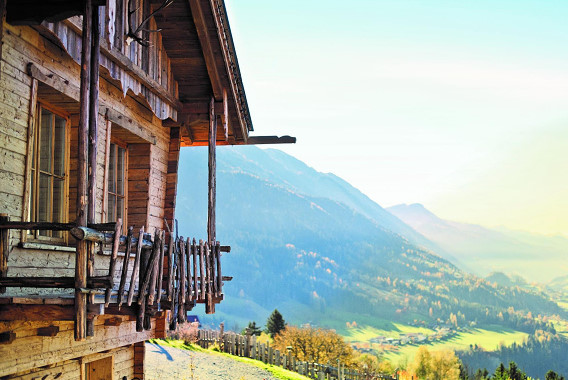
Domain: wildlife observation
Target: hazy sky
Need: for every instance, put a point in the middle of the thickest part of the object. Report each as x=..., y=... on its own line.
x=459, y=105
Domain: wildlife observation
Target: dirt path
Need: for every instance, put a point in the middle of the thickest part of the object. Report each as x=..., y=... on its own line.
x=169, y=363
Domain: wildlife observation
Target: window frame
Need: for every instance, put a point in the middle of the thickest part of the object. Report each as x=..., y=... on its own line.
x=120, y=144
x=34, y=171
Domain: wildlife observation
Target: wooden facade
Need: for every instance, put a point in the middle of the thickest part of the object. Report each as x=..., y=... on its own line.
x=96, y=99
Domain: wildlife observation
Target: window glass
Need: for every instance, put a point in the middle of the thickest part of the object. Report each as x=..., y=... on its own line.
x=48, y=180
x=45, y=139
x=59, y=146
x=116, y=195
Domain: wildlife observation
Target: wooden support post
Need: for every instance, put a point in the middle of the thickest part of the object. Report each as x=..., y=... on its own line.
x=136, y=266
x=125, y=262
x=211, y=230
x=113, y=257
x=82, y=182
x=93, y=132
x=4, y=250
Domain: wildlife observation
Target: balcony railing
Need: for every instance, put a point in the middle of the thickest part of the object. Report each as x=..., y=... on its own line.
x=168, y=272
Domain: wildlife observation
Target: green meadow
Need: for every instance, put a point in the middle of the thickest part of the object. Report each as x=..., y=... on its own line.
x=488, y=338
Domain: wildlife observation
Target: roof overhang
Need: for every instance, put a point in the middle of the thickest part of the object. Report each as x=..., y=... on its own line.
x=199, y=43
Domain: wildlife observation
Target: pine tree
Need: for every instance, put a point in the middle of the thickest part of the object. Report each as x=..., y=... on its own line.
x=252, y=329
x=275, y=323
x=551, y=375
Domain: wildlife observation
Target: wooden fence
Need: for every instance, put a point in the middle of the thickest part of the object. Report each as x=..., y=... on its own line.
x=249, y=347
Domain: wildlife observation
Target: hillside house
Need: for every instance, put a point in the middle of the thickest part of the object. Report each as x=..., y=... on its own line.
x=96, y=99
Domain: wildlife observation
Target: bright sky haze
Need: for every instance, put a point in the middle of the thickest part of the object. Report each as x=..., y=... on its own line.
x=459, y=105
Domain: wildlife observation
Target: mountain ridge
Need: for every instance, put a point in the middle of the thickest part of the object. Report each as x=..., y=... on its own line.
x=484, y=250
x=297, y=247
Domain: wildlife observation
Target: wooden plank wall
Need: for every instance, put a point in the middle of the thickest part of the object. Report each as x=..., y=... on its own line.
x=149, y=162
x=31, y=351
x=124, y=365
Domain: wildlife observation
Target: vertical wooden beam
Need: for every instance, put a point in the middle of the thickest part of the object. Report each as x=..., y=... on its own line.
x=211, y=231
x=4, y=249
x=2, y=20
x=82, y=184
x=29, y=154
x=139, y=353
x=93, y=114
x=172, y=174
x=93, y=138
x=105, y=176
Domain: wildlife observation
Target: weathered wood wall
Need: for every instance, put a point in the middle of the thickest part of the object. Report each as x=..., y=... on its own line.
x=148, y=155
x=64, y=355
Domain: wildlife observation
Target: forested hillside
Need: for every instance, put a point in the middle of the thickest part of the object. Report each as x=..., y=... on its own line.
x=320, y=251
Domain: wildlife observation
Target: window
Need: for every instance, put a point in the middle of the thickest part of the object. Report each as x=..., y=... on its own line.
x=48, y=181
x=117, y=183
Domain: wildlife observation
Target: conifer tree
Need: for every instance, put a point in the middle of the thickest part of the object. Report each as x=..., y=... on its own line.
x=275, y=323
x=252, y=329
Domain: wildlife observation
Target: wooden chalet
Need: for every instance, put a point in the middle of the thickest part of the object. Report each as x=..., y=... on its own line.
x=96, y=99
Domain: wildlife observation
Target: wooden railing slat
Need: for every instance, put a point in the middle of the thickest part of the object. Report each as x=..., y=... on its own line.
x=113, y=257
x=125, y=262
x=136, y=266
x=194, y=254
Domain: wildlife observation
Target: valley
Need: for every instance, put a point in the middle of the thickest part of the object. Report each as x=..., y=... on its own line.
x=323, y=253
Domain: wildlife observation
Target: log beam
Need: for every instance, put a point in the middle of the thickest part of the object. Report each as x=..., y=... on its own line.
x=25, y=312
x=211, y=229
x=82, y=181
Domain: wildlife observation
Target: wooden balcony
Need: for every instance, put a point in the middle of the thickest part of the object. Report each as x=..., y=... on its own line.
x=147, y=275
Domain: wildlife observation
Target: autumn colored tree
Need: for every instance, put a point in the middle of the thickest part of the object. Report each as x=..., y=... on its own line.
x=315, y=345
x=435, y=365
x=444, y=365
x=420, y=366
x=372, y=364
